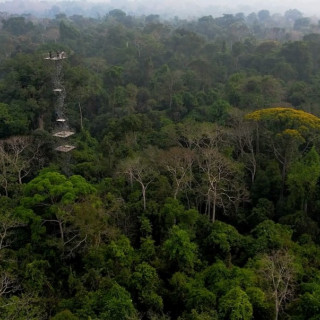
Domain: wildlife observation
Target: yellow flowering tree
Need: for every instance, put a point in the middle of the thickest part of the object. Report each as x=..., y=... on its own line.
x=287, y=132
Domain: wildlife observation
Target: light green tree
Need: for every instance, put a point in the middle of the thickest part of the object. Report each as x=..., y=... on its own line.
x=235, y=305
x=179, y=249
x=145, y=282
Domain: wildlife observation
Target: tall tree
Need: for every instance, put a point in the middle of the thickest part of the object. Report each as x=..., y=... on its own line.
x=18, y=155
x=278, y=271
x=223, y=187
x=138, y=170
x=303, y=178
x=286, y=131
x=178, y=162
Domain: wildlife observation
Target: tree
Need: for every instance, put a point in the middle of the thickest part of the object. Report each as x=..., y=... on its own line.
x=297, y=54
x=223, y=242
x=303, y=178
x=235, y=305
x=167, y=82
x=145, y=282
x=269, y=236
x=293, y=14
x=117, y=14
x=285, y=131
x=310, y=301
x=264, y=210
x=301, y=24
x=51, y=199
x=119, y=255
x=180, y=251
x=17, y=25
x=264, y=15
x=139, y=170
x=9, y=284
x=243, y=134
x=278, y=271
x=25, y=87
x=8, y=222
x=24, y=306
x=17, y=157
x=67, y=31
x=110, y=303
x=255, y=92
x=6, y=120
x=178, y=162
x=223, y=187
x=65, y=315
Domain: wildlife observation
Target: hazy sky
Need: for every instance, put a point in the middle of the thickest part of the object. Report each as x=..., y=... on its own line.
x=308, y=7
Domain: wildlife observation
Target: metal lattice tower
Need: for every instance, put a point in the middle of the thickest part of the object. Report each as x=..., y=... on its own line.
x=62, y=129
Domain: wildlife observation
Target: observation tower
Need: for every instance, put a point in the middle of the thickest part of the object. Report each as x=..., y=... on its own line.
x=61, y=130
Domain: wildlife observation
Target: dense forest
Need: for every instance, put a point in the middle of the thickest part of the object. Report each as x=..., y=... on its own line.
x=193, y=192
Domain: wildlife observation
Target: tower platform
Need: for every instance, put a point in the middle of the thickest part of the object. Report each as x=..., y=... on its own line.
x=65, y=148
x=63, y=134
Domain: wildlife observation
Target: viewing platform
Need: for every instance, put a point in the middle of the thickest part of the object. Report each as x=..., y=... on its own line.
x=63, y=134
x=65, y=148
x=56, y=56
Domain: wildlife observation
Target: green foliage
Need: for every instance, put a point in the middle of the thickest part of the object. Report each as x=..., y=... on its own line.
x=145, y=282
x=17, y=25
x=224, y=237
x=268, y=236
x=113, y=303
x=310, y=306
x=35, y=275
x=53, y=188
x=65, y=315
x=219, y=278
x=220, y=241
x=264, y=210
x=303, y=177
x=22, y=307
x=260, y=304
x=67, y=31
x=235, y=305
x=191, y=294
x=147, y=249
x=179, y=250
x=119, y=257
x=211, y=315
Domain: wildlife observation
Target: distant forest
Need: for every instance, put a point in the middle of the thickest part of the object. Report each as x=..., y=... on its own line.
x=193, y=189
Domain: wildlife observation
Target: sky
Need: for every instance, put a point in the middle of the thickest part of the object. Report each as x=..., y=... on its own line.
x=185, y=7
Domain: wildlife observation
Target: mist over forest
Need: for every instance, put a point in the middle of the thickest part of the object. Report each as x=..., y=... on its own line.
x=159, y=166
x=166, y=8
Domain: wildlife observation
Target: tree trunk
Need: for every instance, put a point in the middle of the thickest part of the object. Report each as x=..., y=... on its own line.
x=19, y=177
x=214, y=206
x=283, y=177
x=208, y=206
x=144, y=197
x=40, y=122
x=257, y=140
x=61, y=231
x=175, y=193
x=305, y=206
x=276, y=310
x=81, y=119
